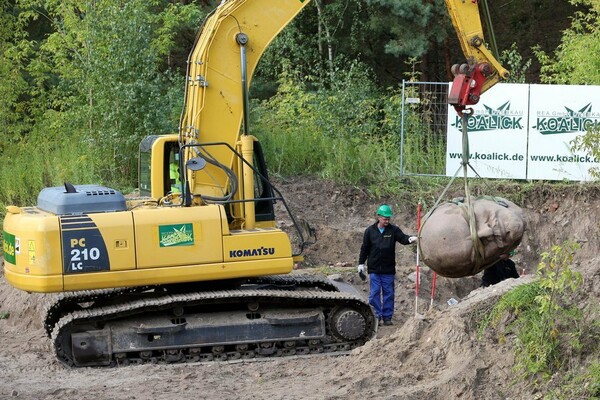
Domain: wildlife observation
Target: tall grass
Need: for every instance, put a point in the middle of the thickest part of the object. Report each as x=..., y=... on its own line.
x=306, y=151
x=424, y=149
x=28, y=168
x=339, y=133
x=424, y=142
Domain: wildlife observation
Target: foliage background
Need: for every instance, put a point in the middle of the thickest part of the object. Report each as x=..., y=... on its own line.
x=81, y=82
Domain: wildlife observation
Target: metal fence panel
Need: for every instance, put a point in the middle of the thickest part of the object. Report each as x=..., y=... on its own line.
x=424, y=123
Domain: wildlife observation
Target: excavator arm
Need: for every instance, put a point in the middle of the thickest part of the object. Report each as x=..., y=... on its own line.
x=482, y=70
x=228, y=48
x=220, y=67
x=232, y=41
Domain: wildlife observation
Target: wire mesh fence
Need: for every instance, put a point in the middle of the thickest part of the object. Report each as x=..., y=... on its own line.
x=423, y=128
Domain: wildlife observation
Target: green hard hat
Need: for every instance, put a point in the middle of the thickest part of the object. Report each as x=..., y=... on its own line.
x=385, y=211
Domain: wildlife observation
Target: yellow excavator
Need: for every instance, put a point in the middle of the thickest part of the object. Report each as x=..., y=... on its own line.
x=195, y=268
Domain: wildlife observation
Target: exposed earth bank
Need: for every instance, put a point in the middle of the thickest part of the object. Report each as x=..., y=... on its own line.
x=429, y=353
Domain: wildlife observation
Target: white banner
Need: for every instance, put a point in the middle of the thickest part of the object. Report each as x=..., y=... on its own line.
x=558, y=114
x=497, y=134
x=520, y=131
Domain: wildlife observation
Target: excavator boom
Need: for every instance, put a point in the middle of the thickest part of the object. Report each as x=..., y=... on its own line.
x=482, y=70
x=220, y=67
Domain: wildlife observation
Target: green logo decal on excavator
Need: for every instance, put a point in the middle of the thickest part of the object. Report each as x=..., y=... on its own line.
x=176, y=235
x=9, y=247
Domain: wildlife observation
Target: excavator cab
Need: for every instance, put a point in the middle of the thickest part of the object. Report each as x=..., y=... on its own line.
x=161, y=173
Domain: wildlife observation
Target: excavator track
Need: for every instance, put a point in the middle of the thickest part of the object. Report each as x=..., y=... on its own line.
x=68, y=302
x=266, y=317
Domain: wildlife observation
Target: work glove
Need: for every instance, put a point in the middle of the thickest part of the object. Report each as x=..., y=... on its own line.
x=361, y=272
x=412, y=239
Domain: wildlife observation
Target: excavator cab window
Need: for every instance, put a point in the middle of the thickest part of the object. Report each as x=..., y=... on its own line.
x=262, y=190
x=263, y=209
x=168, y=179
x=145, y=165
x=165, y=179
x=173, y=175
x=144, y=173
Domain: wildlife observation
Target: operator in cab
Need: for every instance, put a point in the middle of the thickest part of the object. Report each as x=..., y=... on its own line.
x=174, y=173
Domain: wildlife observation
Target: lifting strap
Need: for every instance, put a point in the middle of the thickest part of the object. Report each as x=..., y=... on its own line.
x=477, y=245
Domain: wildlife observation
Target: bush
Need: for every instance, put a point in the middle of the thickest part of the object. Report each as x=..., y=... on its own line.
x=550, y=329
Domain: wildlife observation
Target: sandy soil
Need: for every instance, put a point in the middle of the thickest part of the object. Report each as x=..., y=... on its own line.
x=432, y=354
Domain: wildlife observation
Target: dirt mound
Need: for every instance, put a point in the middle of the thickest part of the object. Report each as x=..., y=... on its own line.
x=432, y=354
x=340, y=214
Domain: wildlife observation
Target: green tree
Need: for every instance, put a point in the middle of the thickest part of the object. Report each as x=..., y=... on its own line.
x=14, y=49
x=577, y=58
x=80, y=83
x=413, y=28
x=319, y=42
x=99, y=81
x=513, y=60
x=576, y=61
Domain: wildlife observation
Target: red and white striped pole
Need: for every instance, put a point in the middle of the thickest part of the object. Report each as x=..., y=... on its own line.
x=417, y=270
x=432, y=289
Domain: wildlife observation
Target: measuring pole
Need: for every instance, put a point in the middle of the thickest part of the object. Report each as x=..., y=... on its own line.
x=432, y=289
x=417, y=269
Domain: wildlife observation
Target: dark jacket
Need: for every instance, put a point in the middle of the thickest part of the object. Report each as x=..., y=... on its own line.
x=498, y=272
x=380, y=248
